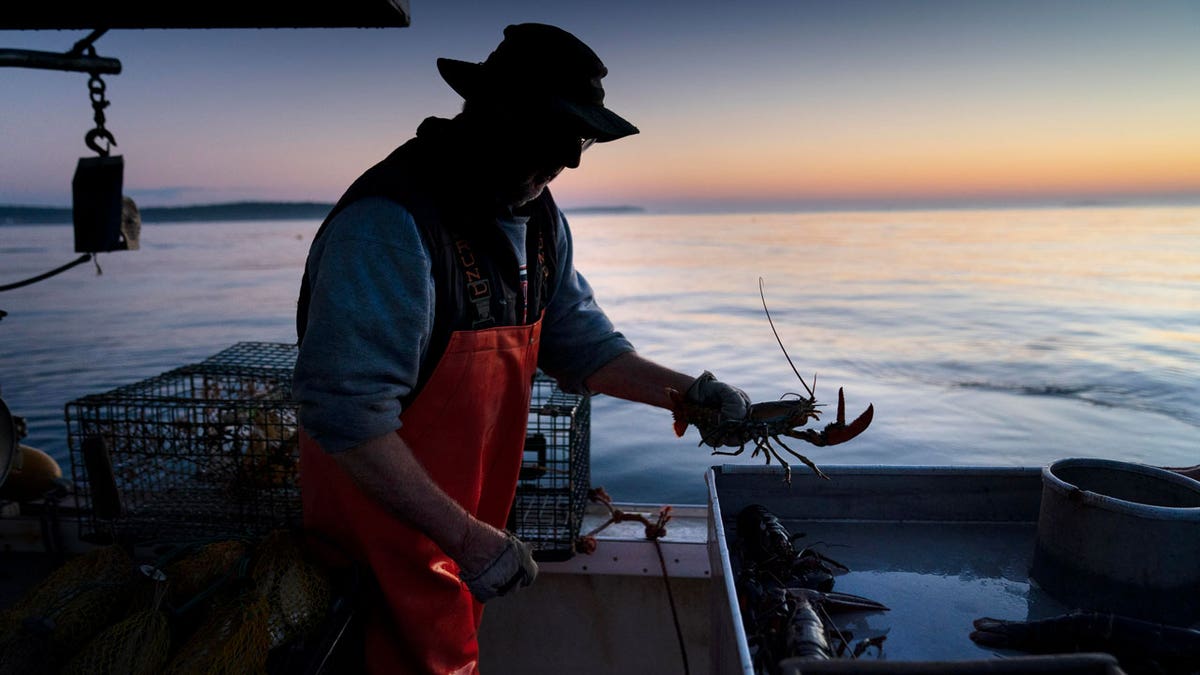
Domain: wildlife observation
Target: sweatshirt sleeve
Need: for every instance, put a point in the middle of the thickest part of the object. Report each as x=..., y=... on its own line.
x=369, y=321
x=577, y=336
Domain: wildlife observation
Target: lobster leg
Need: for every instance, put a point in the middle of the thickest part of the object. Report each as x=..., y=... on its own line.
x=759, y=446
x=787, y=468
x=839, y=431
x=768, y=452
x=807, y=462
x=734, y=453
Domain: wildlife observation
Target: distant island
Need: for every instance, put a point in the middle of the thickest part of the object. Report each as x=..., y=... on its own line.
x=51, y=215
x=38, y=215
x=604, y=209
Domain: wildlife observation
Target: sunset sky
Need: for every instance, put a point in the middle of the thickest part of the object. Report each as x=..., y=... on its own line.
x=751, y=105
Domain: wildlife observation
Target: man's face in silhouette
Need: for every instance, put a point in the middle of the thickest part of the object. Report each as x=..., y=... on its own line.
x=532, y=152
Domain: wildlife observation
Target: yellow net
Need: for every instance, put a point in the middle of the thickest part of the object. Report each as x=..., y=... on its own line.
x=22, y=653
x=138, y=645
x=232, y=640
x=296, y=591
x=231, y=605
x=58, y=616
x=102, y=565
x=208, y=566
x=283, y=599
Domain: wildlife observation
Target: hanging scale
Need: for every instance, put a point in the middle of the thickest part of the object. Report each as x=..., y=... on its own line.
x=104, y=220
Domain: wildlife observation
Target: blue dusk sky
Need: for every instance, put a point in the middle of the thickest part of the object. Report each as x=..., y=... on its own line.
x=756, y=104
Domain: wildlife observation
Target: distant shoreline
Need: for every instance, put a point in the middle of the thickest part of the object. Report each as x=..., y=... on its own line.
x=53, y=215
x=265, y=211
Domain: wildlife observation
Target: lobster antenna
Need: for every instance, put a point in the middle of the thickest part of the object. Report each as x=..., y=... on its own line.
x=763, y=295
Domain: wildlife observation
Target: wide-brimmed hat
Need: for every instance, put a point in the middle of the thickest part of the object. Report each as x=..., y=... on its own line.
x=540, y=62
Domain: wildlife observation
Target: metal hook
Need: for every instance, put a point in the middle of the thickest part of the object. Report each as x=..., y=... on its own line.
x=90, y=140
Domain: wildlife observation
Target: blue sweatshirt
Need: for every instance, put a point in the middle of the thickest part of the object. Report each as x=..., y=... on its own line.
x=371, y=315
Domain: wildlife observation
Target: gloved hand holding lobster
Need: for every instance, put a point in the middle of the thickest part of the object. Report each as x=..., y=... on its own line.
x=730, y=403
x=725, y=417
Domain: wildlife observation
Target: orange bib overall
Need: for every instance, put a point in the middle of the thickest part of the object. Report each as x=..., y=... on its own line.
x=467, y=428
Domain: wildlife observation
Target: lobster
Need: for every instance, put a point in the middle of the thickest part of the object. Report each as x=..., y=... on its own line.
x=795, y=623
x=766, y=422
x=786, y=596
x=768, y=550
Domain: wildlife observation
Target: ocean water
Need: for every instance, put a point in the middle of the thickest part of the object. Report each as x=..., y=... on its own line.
x=989, y=337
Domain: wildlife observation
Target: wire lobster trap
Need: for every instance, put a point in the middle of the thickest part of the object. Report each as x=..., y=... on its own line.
x=555, y=471
x=208, y=449
x=211, y=449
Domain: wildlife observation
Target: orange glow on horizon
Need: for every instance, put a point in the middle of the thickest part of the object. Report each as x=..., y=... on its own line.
x=1016, y=166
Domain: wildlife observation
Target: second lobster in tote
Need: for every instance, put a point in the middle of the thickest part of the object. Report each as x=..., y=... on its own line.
x=765, y=422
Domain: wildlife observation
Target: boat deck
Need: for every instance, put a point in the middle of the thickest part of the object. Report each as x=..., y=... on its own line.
x=607, y=612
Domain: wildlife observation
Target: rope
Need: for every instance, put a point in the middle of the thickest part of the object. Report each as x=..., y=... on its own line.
x=46, y=275
x=654, y=531
x=674, y=612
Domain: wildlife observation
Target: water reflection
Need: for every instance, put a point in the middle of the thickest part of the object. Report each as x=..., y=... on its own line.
x=985, y=337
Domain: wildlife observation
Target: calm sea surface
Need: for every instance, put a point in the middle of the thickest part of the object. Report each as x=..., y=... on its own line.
x=1005, y=337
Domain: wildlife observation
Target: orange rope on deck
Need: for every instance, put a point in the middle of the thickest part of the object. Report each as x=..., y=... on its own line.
x=654, y=531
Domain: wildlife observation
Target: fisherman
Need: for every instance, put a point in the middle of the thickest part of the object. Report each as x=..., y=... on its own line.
x=436, y=286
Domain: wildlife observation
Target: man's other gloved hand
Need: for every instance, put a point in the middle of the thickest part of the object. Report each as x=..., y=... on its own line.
x=512, y=566
x=733, y=404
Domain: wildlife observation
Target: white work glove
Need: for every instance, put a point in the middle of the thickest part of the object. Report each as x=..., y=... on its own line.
x=733, y=404
x=513, y=566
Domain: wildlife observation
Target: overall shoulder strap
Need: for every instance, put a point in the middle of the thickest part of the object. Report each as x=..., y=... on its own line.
x=541, y=252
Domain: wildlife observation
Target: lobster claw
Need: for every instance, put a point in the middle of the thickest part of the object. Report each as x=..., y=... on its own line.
x=838, y=602
x=839, y=431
